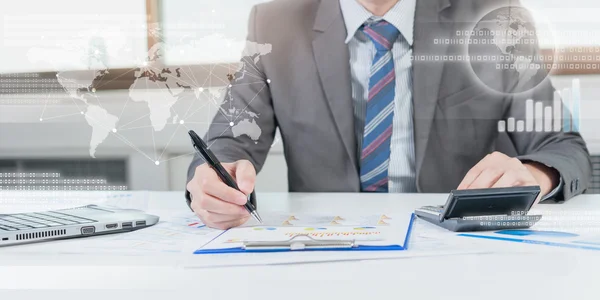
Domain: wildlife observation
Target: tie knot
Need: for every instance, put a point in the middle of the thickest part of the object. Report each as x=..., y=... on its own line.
x=382, y=33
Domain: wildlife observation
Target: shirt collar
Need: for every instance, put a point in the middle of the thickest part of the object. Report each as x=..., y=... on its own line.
x=402, y=16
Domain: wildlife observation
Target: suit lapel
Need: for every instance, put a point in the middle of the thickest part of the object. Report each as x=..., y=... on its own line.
x=427, y=75
x=333, y=63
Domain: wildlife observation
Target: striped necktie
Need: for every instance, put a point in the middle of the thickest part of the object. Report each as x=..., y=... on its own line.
x=375, y=156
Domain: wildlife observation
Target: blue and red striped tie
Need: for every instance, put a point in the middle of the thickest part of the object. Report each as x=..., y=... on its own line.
x=375, y=156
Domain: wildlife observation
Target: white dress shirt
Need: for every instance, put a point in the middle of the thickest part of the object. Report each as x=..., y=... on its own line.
x=401, y=172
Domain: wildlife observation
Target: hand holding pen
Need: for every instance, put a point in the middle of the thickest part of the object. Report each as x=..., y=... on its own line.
x=222, y=202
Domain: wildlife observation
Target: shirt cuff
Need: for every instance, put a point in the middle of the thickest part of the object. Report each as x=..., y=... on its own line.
x=555, y=192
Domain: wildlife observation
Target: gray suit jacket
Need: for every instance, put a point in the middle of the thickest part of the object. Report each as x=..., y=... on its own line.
x=309, y=100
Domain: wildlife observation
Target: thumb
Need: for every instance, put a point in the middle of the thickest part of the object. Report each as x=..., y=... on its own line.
x=245, y=175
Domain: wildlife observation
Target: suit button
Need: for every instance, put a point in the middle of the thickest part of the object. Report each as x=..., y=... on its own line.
x=577, y=184
x=573, y=186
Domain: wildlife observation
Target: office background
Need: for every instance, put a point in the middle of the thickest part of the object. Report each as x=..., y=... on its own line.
x=42, y=131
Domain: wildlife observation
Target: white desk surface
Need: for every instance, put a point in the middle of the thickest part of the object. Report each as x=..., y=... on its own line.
x=529, y=272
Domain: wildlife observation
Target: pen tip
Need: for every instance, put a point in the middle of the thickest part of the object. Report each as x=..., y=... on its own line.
x=257, y=217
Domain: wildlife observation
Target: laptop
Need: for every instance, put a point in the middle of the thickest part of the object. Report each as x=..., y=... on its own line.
x=90, y=220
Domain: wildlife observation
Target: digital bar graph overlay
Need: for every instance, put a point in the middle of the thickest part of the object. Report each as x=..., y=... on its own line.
x=563, y=115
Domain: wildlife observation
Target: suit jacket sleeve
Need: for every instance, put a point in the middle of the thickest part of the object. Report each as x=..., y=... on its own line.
x=566, y=152
x=247, y=104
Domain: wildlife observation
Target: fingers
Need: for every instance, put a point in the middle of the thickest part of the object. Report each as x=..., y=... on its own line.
x=497, y=170
x=486, y=178
x=521, y=177
x=245, y=175
x=220, y=221
x=218, y=205
x=215, y=213
x=474, y=173
x=230, y=224
x=213, y=219
x=206, y=181
x=513, y=178
x=221, y=191
x=214, y=205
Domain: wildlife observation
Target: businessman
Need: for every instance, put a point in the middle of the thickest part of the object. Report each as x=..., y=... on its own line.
x=360, y=108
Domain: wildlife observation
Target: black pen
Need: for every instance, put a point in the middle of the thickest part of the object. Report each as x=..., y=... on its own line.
x=215, y=164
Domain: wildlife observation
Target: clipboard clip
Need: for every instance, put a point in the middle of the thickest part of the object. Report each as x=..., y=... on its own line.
x=295, y=243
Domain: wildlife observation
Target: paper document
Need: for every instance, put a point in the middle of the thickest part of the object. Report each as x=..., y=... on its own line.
x=427, y=240
x=315, y=220
x=178, y=234
x=137, y=200
x=427, y=237
x=386, y=232
x=561, y=239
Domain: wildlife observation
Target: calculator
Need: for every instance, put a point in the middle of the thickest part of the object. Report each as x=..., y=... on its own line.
x=484, y=209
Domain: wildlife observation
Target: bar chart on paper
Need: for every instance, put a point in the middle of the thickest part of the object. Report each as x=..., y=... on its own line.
x=562, y=116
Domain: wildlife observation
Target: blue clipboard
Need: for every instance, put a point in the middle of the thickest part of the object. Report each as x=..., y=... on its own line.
x=314, y=245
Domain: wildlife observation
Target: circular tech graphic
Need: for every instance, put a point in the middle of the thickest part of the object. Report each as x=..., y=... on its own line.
x=504, y=51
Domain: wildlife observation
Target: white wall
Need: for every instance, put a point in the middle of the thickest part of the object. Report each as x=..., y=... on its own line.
x=23, y=136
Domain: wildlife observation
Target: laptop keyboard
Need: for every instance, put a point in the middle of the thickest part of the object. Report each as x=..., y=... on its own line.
x=46, y=219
